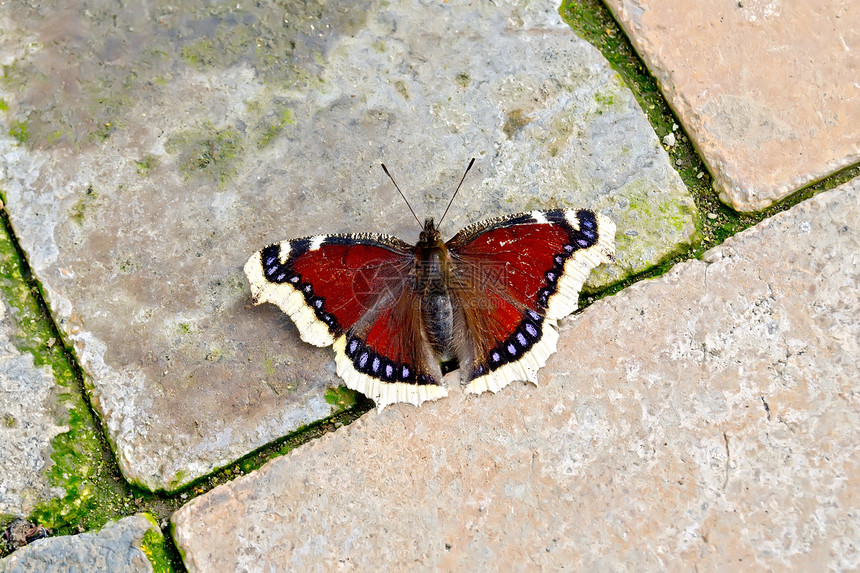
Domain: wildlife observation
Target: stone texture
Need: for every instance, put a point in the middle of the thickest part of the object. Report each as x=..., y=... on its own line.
x=188, y=136
x=766, y=89
x=29, y=420
x=705, y=420
x=118, y=548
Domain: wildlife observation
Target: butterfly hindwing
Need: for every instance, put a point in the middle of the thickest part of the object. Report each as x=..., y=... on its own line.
x=387, y=356
x=513, y=278
x=352, y=292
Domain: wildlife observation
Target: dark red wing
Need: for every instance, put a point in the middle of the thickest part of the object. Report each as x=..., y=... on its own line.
x=513, y=278
x=353, y=292
x=387, y=356
x=327, y=283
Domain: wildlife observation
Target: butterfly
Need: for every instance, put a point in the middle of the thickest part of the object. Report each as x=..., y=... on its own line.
x=488, y=299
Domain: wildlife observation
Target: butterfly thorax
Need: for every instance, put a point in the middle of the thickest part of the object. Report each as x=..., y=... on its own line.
x=432, y=265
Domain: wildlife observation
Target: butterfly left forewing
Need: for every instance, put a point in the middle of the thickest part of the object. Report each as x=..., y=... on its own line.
x=326, y=283
x=513, y=278
x=353, y=292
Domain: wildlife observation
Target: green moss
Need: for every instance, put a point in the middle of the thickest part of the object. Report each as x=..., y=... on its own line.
x=127, y=265
x=105, y=101
x=605, y=100
x=401, y=88
x=178, y=481
x=514, y=122
x=103, y=131
x=463, y=80
x=20, y=131
x=207, y=152
x=146, y=164
x=726, y=230
x=153, y=547
x=272, y=129
x=4, y=105
x=80, y=208
x=342, y=397
x=199, y=53
x=56, y=136
x=14, y=76
x=269, y=367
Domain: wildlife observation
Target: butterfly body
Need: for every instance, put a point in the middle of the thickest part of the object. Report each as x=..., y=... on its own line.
x=432, y=268
x=488, y=298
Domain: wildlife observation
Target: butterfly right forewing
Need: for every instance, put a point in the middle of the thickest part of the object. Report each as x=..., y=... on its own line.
x=513, y=278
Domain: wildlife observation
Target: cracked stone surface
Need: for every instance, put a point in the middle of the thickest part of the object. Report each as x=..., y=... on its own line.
x=30, y=417
x=118, y=548
x=186, y=137
x=706, y=419
x=766, y=89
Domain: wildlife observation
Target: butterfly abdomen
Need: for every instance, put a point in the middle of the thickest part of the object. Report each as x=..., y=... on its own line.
x=439, y=319
x=432, y=286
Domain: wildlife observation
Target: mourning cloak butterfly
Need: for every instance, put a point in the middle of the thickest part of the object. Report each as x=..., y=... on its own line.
x=488, y=298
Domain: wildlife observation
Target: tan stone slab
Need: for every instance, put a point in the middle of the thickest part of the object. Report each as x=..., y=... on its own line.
x=189, y=136
x=703, y=420
x=768, y=90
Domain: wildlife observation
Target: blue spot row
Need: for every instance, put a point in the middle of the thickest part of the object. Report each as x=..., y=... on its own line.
x=513, y=348
x=367, y=361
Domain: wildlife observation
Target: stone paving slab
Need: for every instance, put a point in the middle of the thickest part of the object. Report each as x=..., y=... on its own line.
x=132, y=544
x=707, y=419
x=186, y=137
x=767, y=90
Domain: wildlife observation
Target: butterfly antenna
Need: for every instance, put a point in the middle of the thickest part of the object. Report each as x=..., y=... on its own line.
x=384, y=168
x=472, y=162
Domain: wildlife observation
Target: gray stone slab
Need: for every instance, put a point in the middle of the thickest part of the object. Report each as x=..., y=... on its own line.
x=30, y=418
x=767, y=90
x=121, y=546
x=188, y=137
x=704, y=420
